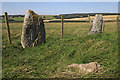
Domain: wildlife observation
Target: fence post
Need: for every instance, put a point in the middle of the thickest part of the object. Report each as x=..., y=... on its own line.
x=103, y=26
x=118, y=22
x=8, y=29
x=62, y=21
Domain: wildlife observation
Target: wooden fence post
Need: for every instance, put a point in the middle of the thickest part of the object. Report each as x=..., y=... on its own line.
x=62, y=21
x=103, y=26
x=118, y=22
x=7, y=25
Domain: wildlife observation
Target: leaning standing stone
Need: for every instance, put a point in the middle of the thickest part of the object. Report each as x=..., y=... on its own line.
x=33, y=31
x=97, y=24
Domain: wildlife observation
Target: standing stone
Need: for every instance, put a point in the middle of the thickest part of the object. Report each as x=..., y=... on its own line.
x=97, y=24
x=33, y=31
x=89, y=18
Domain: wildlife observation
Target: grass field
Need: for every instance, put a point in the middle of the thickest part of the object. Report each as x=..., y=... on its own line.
x=20, y=19
x=105, y=18
x=49, y=60
x=48, y=18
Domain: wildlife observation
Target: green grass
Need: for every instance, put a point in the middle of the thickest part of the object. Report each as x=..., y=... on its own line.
x=15, y=19
x=47, y=17
x=18, y=18
x=49, y=60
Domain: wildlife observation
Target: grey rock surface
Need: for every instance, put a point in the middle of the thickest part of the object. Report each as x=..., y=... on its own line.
x=97, y=24
x=33, y=31
x=87, y=68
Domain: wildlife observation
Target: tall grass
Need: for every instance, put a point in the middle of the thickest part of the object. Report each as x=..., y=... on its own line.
x=49, y=60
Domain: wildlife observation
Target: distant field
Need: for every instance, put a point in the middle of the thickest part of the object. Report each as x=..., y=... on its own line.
x=48, y=17
x=49, y=60
x=21, y=19
x=51, y=18
x=105, y=18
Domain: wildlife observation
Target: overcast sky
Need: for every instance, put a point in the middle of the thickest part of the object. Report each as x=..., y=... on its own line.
x=56, y=8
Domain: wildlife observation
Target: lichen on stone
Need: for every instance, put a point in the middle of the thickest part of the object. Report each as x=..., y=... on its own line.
x=97, y=24
x=33, y=29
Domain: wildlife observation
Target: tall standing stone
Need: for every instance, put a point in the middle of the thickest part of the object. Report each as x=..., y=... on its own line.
x=33, y=31
x=97, y=24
